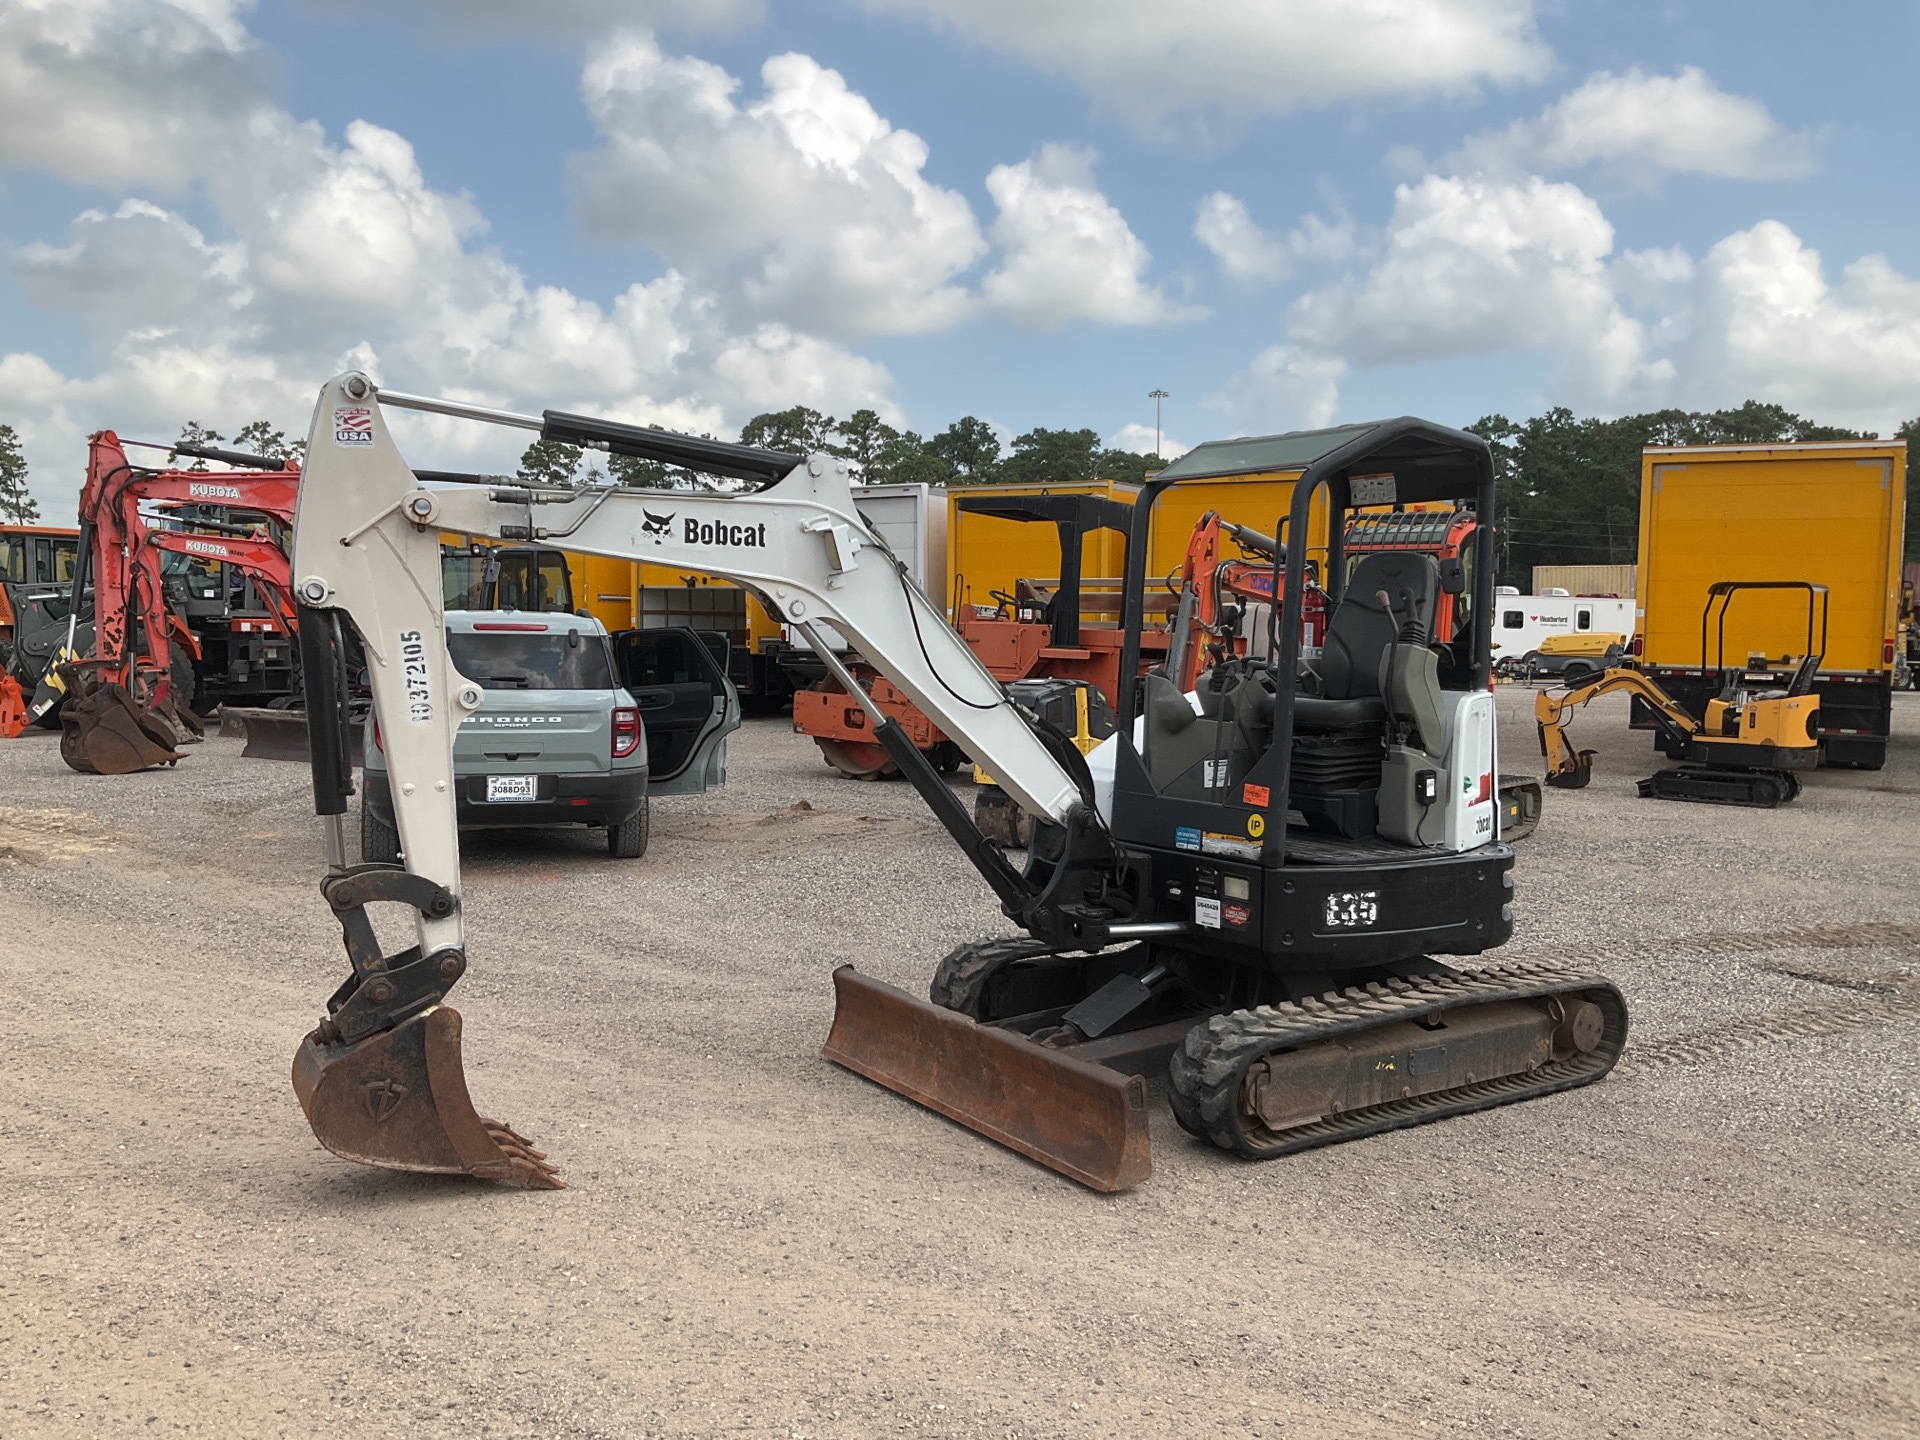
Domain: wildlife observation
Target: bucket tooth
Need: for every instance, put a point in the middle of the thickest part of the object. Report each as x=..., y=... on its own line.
x=1081, y=1119
x=398, y=1099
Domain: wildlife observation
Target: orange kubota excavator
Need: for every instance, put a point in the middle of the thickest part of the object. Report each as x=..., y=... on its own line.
x=128, y=705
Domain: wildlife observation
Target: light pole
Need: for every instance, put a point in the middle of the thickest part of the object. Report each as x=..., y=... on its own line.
x=1156, y=396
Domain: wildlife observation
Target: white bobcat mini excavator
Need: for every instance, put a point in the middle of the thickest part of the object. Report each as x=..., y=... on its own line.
x=1244, y=890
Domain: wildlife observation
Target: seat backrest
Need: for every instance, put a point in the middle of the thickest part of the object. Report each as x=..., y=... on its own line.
x=1361, y=629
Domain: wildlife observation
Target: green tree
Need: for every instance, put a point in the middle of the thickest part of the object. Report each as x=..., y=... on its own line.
x=799, y=431
x=1126, y=465
x=864, y=436
x=969, y=448
x=1050, y=457
x=905, y=459
x=631, y=470
x=548, y=462
x=257, y=437
x=194, y=433
x=17, y=506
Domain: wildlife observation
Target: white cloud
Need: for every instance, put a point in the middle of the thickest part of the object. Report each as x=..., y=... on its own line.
x=466, y=20
x=1139, y=439
x=1479, y=267
x=1250, y=254
x=1639, y=125
x=1066, y=253
x=329, y=254
x=1475, y=266
x=806, y=200
x=1767, y=324
x=112, y=92
x=1284, y=388
x=1147, y=61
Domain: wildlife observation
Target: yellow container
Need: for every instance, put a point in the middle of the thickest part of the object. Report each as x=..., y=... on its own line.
x=1829, y=512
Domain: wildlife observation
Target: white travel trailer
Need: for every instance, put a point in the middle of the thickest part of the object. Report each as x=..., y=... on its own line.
x=1522, y=622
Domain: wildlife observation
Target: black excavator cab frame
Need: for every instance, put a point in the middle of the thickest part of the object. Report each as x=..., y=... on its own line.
x=1285, y=981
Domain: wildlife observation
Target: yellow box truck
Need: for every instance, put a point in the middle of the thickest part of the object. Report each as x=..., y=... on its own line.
x=1828, y=513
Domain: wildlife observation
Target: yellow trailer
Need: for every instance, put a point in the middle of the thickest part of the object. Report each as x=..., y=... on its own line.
x=1828, y=513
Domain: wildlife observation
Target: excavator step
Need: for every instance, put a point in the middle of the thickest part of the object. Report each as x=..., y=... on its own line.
x=1076, y=1117
x=1356, y=1062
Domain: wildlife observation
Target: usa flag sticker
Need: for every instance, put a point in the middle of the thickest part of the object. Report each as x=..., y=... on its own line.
x=353, y=424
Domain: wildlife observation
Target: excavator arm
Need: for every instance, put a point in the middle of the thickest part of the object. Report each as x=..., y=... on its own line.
x=1570, y=769
x=380, y=1078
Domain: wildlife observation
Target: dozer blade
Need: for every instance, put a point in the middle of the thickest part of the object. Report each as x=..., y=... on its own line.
x=279, y=734
x=1086, y=1121
x=398, y=1099
x=104, y=731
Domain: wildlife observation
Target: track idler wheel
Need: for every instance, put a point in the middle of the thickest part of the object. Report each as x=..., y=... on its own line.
x=105, y=731
x=857, y=760
x=398, y=1099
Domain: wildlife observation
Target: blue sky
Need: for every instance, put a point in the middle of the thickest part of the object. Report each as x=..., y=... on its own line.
x=687, y=211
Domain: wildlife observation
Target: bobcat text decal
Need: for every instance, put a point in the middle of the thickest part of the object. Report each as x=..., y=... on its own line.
x=718, y=532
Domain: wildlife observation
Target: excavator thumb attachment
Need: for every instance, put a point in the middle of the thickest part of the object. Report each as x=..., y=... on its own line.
x=1082, y=1119
x=105, y=731
x=398, y=1099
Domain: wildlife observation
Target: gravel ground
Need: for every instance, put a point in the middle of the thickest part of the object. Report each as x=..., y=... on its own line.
x=1719, y=1239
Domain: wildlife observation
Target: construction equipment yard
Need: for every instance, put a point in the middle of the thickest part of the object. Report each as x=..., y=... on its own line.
x=1718, y=1237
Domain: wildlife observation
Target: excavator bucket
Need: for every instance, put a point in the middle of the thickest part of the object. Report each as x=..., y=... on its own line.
x=1576, y=775
x=13, y=708
x=105, y=731
x=398, y=1099
x=1082, y=1119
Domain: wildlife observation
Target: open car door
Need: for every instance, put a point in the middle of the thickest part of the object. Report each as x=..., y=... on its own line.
x=687, y=703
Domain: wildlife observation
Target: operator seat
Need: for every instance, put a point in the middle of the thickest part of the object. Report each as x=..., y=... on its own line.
x=1358, y=636
x=1340, y=735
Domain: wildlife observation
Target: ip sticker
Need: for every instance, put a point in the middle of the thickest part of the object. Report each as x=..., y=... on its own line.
x=353, y=424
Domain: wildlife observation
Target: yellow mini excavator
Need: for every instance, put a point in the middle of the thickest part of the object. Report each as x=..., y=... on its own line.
x=1743, y=751
x=1255, y=886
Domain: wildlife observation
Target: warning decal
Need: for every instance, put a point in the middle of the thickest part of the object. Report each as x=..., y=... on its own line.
x=353, y=424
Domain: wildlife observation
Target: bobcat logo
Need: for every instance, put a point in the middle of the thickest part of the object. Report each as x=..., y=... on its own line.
x=658, y=526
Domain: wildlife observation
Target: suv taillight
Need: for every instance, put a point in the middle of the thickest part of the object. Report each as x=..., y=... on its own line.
x=376, y=738
x=626, y=731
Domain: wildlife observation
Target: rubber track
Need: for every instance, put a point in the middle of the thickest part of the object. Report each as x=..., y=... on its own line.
x=1650, y=787
x=1206, y=1075
x=960, y=979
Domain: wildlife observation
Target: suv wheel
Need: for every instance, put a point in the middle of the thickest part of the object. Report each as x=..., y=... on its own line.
x=379, y=842
x=628, y=839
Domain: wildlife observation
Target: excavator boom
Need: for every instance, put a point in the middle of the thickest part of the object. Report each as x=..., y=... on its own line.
x=380, y=1078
